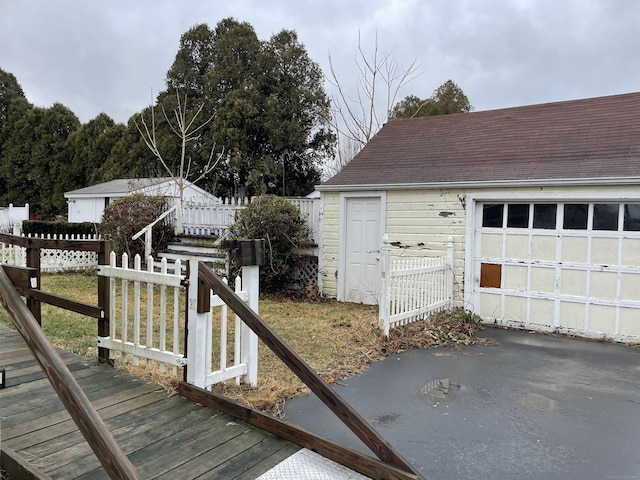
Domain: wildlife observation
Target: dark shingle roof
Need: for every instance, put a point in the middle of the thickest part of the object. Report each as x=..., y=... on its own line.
x=594, y=138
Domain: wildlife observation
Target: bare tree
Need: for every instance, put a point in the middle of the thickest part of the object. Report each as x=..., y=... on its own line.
x=347, y=148
x=358, y=118
x=187, y=130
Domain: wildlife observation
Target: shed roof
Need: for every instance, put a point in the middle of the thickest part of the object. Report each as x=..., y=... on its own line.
x=120, y=186
x=596, y=138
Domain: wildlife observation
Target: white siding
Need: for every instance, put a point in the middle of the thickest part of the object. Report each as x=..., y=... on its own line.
x=421, y=220
x=85, y=209
x=329, y=247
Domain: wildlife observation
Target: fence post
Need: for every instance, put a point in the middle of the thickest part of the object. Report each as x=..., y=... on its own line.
x=385, y=285
x=148, y=238
x=451, y=271
x=196, y=334
x=104, y=300
x=249, y=342
x=33, y=261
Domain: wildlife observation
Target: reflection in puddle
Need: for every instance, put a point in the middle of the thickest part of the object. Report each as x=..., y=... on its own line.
x=549, y=386
x=441, y=388
x=535, y=400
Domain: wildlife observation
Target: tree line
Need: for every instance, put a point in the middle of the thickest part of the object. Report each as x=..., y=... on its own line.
x=262, y=112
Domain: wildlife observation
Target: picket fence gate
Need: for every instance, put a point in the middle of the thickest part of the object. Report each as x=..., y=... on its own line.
x=413, y=287
x=147, y=322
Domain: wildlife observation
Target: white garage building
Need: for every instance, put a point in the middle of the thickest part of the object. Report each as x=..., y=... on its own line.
x=543, y=203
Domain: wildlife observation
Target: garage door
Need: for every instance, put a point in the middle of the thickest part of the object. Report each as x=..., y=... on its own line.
x=571, y=266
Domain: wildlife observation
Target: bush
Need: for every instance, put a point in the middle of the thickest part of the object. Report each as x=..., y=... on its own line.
x=127, y=216
x=40, y=227
x=278, y=222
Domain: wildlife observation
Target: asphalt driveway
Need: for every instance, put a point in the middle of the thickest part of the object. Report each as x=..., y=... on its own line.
x=534, y=406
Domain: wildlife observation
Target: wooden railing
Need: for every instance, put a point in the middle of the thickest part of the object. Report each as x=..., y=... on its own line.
x=101, y=441
x=35, y=296
x=351, y=418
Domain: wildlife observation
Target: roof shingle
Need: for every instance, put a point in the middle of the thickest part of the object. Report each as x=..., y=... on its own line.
x=579, y=139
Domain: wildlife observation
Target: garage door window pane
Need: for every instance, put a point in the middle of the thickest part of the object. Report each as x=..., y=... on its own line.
x=575, y=216
x=492, y=214
x=605, y=216
x=518, y=215
x=632, y=217
x=544, y=215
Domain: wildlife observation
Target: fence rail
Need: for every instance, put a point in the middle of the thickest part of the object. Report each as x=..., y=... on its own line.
x=52, y=259
x=412, y=288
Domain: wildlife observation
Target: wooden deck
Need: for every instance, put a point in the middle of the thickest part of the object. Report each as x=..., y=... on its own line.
x=163, y=436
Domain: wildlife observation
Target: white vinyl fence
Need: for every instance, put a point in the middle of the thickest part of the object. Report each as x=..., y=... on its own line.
x=206, y=219
x=203, y=219
x=12, y=217
x=147, y=322
x=52, y=260
x=413, y=287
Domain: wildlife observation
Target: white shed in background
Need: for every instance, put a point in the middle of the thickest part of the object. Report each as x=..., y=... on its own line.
x=87, y=204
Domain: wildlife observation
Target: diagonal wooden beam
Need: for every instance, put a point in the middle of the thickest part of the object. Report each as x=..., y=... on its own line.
x=351, y=418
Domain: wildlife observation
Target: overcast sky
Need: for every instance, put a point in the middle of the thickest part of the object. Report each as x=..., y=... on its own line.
x=111, y=56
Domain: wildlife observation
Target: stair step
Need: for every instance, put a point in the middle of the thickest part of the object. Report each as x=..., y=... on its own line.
x=185, y=255
x=198, y=249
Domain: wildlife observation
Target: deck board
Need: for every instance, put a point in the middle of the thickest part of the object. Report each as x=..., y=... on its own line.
x=163, y=436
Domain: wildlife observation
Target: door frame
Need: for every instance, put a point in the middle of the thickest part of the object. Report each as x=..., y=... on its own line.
x=342, y=234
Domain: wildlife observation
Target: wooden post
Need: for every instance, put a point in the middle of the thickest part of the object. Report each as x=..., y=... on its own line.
x=33, y=261
x=385, y=287
x=104, y=300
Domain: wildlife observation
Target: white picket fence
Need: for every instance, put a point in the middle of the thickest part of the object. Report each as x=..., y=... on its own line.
x=52, y=260
x=413, y=287
x=206, y=219
x=154, y=329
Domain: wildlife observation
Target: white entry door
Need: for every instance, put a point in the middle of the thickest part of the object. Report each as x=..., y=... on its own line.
x=363, y=237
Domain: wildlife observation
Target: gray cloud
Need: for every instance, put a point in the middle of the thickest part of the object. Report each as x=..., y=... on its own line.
x=113, y=56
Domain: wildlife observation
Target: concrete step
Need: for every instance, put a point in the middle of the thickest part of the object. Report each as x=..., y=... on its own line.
x=193, y=248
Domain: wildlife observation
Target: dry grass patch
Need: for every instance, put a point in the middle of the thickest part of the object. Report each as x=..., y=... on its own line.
x=336, y=339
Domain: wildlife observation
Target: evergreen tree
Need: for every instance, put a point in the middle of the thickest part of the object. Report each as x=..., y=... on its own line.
x=447, y=98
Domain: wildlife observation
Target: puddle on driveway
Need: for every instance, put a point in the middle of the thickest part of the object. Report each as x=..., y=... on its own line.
x=539, y=402
x=441, y=389
x=387, y=418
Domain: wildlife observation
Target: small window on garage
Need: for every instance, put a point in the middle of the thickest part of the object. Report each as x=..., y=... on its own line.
x=605, y=216
x=632, y=217
x=575, y=216
x=518, y=215
x=492, y=214
x=544, y=215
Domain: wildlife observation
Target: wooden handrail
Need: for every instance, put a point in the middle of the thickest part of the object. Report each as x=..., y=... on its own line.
x=60, y=244
x=352, y=419
x=112, y=458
